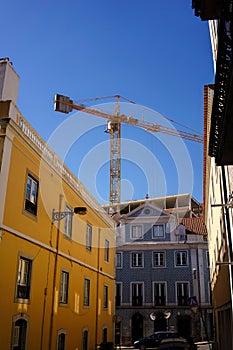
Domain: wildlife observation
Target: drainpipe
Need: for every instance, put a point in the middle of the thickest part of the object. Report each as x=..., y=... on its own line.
x=97, y=289
x=54, y=279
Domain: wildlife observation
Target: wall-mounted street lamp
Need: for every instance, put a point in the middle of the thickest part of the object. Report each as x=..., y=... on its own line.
x=229, y=203
x=224, y=263
x=59, y=215
x=163, y=314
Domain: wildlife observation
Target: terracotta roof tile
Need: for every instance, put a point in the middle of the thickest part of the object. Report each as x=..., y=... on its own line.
x=194, y=225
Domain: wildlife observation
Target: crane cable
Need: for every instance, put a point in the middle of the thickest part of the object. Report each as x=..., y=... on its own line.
x=80, y=101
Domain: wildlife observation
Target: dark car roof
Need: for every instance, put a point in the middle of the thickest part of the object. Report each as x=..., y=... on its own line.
x=179, y=343
x=157, y=336
x=166, y=332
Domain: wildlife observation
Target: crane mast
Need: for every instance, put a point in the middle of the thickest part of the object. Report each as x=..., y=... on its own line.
x=114, y=130
x=65, y=105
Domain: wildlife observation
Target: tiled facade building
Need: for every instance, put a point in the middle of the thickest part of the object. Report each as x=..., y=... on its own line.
x=162, y=273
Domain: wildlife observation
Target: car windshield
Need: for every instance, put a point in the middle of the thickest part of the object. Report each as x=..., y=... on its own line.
x=166, y=335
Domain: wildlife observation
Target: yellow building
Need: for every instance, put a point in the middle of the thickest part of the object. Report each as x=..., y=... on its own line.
x=216, y=214
x=218, y=165
x=56, y=267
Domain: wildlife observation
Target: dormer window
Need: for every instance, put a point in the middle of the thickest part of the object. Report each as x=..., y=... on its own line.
x=158, y=231
x=181, y=233
x=136, y=231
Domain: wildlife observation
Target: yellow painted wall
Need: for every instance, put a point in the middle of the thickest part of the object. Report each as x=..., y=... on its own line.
x=36, y=237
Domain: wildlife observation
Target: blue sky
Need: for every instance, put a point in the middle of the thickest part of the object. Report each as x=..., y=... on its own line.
x=154, y=52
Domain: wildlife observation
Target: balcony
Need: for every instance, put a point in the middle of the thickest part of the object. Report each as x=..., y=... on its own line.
x=206, y=9
x=221, y=141
x=137, y=301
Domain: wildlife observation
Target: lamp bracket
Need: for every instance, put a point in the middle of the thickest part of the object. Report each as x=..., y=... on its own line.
x=59, y=215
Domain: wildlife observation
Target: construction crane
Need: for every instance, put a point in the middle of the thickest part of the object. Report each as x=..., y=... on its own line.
x=65, y=105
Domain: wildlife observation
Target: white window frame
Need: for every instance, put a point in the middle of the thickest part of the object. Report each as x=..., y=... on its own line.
x=106, y=250
x=59, y=334
x=188, y=294
x=24, y=277
x=120, y=260
x=181, y=233
x=15, y=333
x=165, y=290
x=181, y=253
x=64, y=287
x=136, y=231
x=89, y=237
x=160, y=253
x=68, y=222
x=136, y=255
x=158, y=236
x=86, y=292
x=106, y=296
x=136, y=283
x=31, y=194
x=15, y=336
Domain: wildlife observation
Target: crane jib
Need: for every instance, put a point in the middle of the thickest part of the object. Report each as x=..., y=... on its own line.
x=65, y=105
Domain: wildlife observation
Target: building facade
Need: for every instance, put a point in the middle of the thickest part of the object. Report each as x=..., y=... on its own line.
x=162, y=274
x=56, y=265
x=218, y=161
x=218, y=218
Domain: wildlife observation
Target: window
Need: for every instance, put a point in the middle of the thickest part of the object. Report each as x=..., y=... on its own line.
x=68, y=222
x=182, y=238
x=136, y=259
x=182, y=293
x=85, y=340
x=105, y=334
x=181, y=233
x=159, y=294
x=64, y=285
x=86, y=301
x=15, y=336
x=89, y=237
x=19, y=334
x=158, y=231
x=61, y=340
x=137, y=294
x=118, y=261
x=136, y=231
x=208, y=259
x=31, y=196
x=24, y=278
x=106, y=250
x=158, y=259
x=210, y=294
x=105, y=297
x=181, y=258
x=118, y=294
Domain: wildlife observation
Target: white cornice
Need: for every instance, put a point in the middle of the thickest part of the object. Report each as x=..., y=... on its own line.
x=32, y=139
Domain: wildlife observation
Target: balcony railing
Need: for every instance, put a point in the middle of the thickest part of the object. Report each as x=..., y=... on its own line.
x=137, y=301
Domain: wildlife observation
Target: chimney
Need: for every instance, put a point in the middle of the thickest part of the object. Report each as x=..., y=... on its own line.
x=9, y=81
